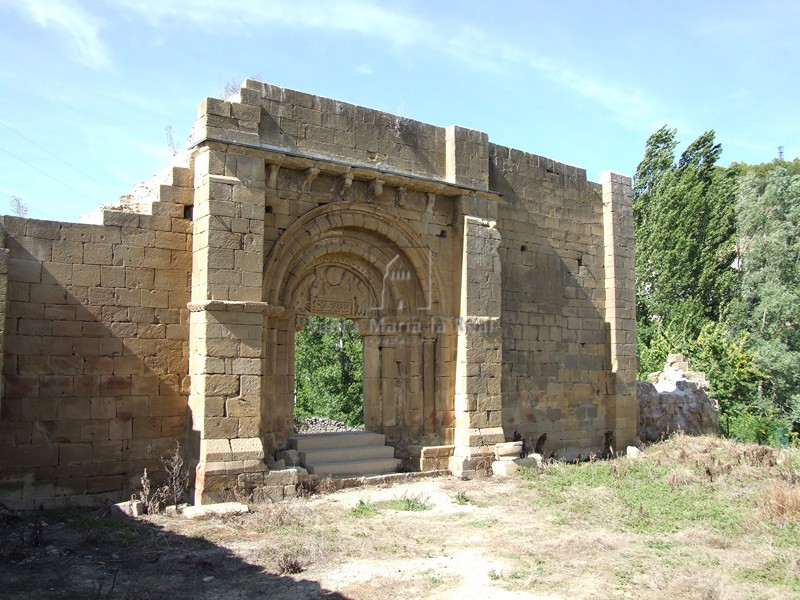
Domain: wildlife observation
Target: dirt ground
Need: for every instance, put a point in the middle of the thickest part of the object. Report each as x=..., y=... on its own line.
x=491, y=538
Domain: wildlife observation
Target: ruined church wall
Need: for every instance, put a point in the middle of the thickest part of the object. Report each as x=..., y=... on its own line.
x=95, y=364
x=555, y=353
x=265, y=114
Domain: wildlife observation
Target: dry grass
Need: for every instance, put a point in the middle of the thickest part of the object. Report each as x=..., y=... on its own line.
x=694, y=518
x=783, y=502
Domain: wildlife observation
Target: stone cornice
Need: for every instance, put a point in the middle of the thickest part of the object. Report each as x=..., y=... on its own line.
x=292, y=159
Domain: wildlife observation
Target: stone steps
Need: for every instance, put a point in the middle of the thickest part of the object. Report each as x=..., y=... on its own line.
x=345, y=453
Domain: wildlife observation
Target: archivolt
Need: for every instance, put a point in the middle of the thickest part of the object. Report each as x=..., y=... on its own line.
x=363, y=239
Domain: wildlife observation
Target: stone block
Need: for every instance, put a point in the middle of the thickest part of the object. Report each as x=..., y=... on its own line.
x=289, y=476
x=504, y=468
x=215, y=450
x=508, y=450
x=247, y=449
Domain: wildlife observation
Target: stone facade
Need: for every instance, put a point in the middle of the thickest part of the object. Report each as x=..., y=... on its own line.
x=493, y=289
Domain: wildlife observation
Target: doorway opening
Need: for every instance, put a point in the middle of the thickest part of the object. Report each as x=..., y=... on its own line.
x=328, y=375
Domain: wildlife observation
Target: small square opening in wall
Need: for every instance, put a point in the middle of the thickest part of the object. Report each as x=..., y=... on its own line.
x=268, y=209
x=523, y=248
x=188, y=212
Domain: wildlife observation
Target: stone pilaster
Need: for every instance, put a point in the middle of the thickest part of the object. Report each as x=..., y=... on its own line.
x=467, y=157
x=478, y=401
x=227, y=319
x=620, y=307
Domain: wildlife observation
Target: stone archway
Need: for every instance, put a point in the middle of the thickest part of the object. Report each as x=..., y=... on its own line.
x=414, y=262
x=363, y=263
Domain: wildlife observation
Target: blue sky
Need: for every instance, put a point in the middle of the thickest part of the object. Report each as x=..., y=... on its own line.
x=88, y=87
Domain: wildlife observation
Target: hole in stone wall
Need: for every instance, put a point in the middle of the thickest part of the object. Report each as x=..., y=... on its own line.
x=268, y=209
x=188, y=212
x=443, y=233
x=580, y=261
x=523, y=248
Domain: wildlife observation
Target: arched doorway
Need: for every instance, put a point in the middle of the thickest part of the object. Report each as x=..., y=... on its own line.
x=359, y=262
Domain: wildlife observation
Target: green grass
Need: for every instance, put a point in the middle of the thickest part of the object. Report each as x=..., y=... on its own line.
x=404, y=503
x=634, y=496
x=364, y=509
x=416, y=503
x=483, y=522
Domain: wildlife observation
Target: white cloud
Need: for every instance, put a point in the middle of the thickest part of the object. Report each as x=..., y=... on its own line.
x=65, y=17
x=357, y=16
x=626, y=105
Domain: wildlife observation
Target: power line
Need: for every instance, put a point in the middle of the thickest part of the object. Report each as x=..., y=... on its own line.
x=61, y=160
x=50, y=176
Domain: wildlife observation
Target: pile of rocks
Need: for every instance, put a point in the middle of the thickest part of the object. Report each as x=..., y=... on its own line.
x=320, y=425
x=673, y=400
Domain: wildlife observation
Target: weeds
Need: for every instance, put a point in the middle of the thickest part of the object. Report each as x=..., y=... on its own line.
x=172, y=491
x=364, y=509
x=461, y=498
x=289, y=563
x=415, y=503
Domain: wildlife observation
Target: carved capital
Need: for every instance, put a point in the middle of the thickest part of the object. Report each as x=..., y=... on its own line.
x=375, y=190
x=343, y=185
x=400, y=197
x=310, y=176
x=272, y=181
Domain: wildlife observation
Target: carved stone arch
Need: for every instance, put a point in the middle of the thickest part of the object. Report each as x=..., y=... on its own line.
x=365, y=232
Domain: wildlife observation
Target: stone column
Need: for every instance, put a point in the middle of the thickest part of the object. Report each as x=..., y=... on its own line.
x=373, y=406
x=429, y=387
x=478, y=399
x=620, y=310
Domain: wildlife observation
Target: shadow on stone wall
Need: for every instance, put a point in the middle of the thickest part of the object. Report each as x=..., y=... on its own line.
x=95, y=378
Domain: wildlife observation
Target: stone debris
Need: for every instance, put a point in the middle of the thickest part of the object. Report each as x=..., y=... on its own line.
x=504, y=468
x=532, y=461
x=131, y=508
x=320, y=425
x=675, y=399
x=508, y=450
x=633, y=452
x=223, y=508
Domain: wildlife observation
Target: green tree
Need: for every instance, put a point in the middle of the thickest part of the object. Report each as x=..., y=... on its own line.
x=768, y=209
x=685, y=235
x=329, y=371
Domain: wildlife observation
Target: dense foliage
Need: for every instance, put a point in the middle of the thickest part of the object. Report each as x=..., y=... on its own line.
x=329, y=371
x=717, y=277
